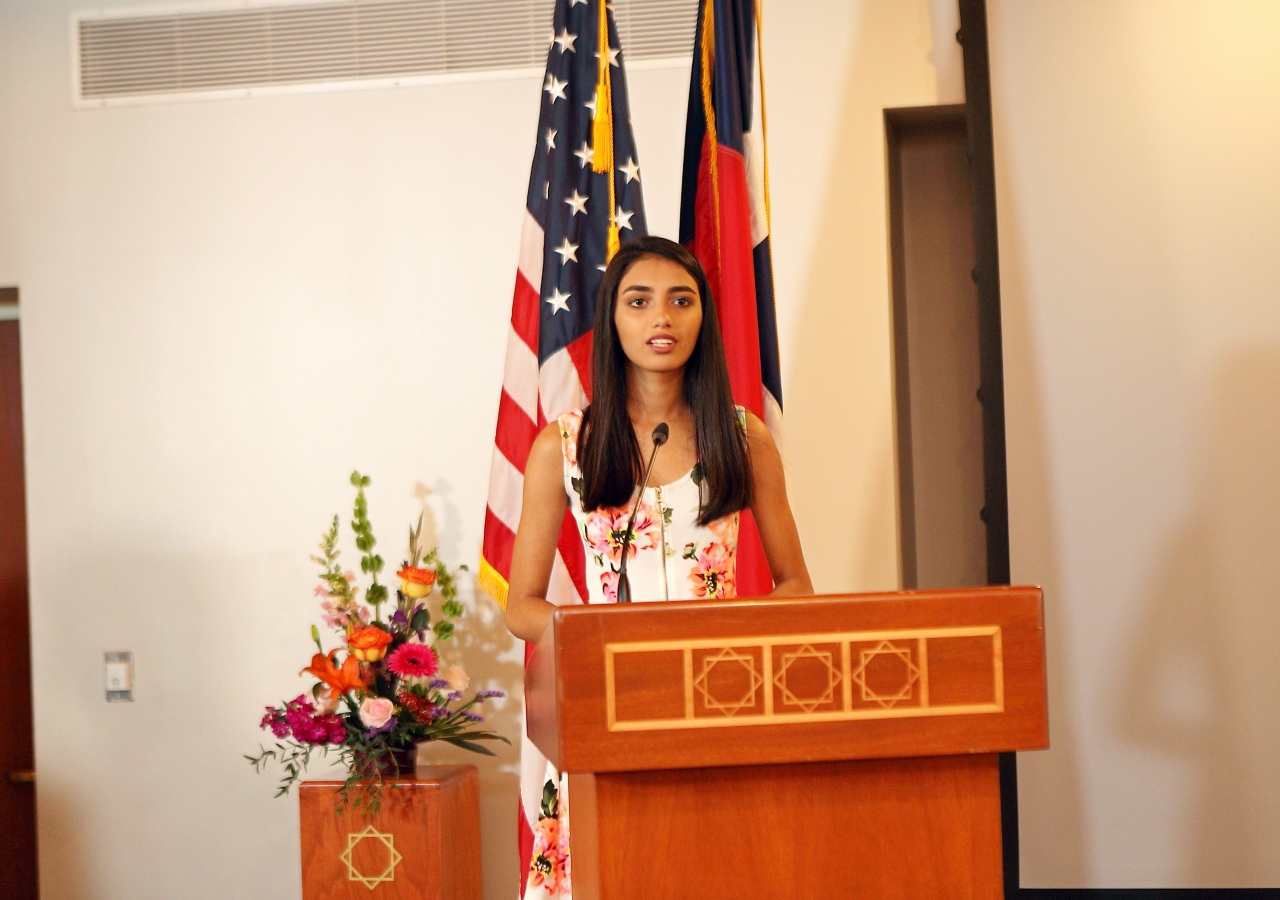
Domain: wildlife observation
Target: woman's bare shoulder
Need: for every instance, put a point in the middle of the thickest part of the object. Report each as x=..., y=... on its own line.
x=757, y=432
x=546, y=451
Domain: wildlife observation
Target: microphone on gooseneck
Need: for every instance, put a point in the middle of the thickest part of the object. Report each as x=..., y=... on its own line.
x=660, y=435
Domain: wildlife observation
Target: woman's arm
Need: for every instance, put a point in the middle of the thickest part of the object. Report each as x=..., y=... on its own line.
x=542, y=512
x=772, y=512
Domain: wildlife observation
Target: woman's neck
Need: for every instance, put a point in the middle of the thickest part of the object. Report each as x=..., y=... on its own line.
x=654, y=397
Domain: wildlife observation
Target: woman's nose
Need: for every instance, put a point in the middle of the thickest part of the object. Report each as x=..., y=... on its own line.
x=661, y=316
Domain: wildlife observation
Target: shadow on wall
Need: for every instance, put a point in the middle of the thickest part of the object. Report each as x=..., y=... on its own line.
x=838, y=392
x=493, y=658
x=1205, y=675
x=1048, y=781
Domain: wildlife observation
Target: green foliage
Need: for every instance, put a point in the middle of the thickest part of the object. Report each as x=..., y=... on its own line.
x=451, y=609
x=343, y=591
x=371, y=563
x=292, y=757
x=415, y=534
x=421, y=620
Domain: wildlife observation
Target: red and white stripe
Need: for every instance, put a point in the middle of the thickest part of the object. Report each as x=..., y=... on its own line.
x=532, y=396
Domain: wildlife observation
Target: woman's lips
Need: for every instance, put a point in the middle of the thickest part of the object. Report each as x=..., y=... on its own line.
x=661, y=343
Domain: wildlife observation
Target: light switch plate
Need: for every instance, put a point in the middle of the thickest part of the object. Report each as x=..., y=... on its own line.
x=119, y=673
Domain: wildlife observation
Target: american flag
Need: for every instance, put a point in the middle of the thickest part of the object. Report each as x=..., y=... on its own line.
x=563, y=253
x=724, y=220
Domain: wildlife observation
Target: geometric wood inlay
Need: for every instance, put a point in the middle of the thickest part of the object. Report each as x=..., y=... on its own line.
x=387, y=856
x=783, y=679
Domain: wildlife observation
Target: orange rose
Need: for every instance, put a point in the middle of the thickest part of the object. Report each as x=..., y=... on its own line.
x=416, y=582
x=368, y=644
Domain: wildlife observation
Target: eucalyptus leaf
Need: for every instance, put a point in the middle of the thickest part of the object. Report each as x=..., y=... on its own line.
x=468, y=745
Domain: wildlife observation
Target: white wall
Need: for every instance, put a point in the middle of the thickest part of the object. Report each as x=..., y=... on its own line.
x=1139, y=212
x=227, y=306
x=832, y=69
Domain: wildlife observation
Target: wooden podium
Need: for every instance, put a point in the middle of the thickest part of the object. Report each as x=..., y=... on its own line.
x=823, y=747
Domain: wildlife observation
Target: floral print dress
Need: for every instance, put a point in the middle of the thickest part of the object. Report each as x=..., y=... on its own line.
x=670, y=557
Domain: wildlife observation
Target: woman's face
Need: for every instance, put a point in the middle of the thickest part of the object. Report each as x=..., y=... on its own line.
x=658, y=314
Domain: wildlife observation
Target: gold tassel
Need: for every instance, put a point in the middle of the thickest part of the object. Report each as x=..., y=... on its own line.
x=615, y=240
x=602, y=132
x=602, y=121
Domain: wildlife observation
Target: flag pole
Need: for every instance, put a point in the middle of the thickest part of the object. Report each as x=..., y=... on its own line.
x=708, y=40
x=764, y=133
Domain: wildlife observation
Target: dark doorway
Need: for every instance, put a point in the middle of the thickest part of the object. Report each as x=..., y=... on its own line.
x=17, y=791
x=937, y=370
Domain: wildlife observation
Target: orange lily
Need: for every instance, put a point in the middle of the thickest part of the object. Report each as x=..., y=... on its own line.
x=339, y=680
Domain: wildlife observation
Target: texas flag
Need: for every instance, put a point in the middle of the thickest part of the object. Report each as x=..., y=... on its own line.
x=724, y=220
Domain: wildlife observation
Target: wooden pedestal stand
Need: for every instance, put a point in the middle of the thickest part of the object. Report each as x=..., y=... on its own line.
x=423, y=844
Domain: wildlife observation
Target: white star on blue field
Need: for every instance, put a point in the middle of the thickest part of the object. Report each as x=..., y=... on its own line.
x=567, y=198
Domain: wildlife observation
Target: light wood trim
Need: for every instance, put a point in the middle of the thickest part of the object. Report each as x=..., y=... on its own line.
x=688, y=683
x=773, y=640
x=767, y=643
x=997, y=662
x=610, y=695
x=896, y=712
x=922, y=663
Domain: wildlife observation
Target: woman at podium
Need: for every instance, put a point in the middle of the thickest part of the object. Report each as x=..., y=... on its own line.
x=661, y=449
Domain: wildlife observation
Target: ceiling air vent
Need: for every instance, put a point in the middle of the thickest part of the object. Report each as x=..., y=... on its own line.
x=202, y=52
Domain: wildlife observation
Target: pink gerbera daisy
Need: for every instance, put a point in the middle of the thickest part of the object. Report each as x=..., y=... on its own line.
x=413, y=661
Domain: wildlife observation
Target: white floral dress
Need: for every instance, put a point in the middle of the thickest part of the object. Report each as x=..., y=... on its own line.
x=670, y=557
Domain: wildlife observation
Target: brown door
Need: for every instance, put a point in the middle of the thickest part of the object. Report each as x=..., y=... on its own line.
x=936, y=351
x=17, y=789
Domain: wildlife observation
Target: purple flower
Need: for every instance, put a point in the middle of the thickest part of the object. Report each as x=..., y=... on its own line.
x=470, y=716
x=486, y=695
x=387, y=728
x=398, y=618
x=437, y=683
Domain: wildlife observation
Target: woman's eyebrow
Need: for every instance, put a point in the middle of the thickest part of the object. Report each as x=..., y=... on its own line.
x=637, y=287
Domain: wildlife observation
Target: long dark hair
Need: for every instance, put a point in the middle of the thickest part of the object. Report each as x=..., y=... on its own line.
x=608, y=452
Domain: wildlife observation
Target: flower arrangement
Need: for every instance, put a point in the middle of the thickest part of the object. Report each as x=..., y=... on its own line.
x=390, y=692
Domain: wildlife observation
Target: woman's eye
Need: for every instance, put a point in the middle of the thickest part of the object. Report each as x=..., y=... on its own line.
x=682, y=301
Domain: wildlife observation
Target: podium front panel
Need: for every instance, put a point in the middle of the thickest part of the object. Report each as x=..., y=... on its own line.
x=695, y=684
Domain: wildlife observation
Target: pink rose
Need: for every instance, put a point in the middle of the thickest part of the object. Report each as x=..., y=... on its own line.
x=457, y=678
x=376, y=711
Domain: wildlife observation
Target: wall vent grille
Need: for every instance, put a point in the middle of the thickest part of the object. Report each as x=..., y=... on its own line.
x=286, y=46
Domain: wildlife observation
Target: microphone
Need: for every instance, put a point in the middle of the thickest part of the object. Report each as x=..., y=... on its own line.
x=660, y=435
